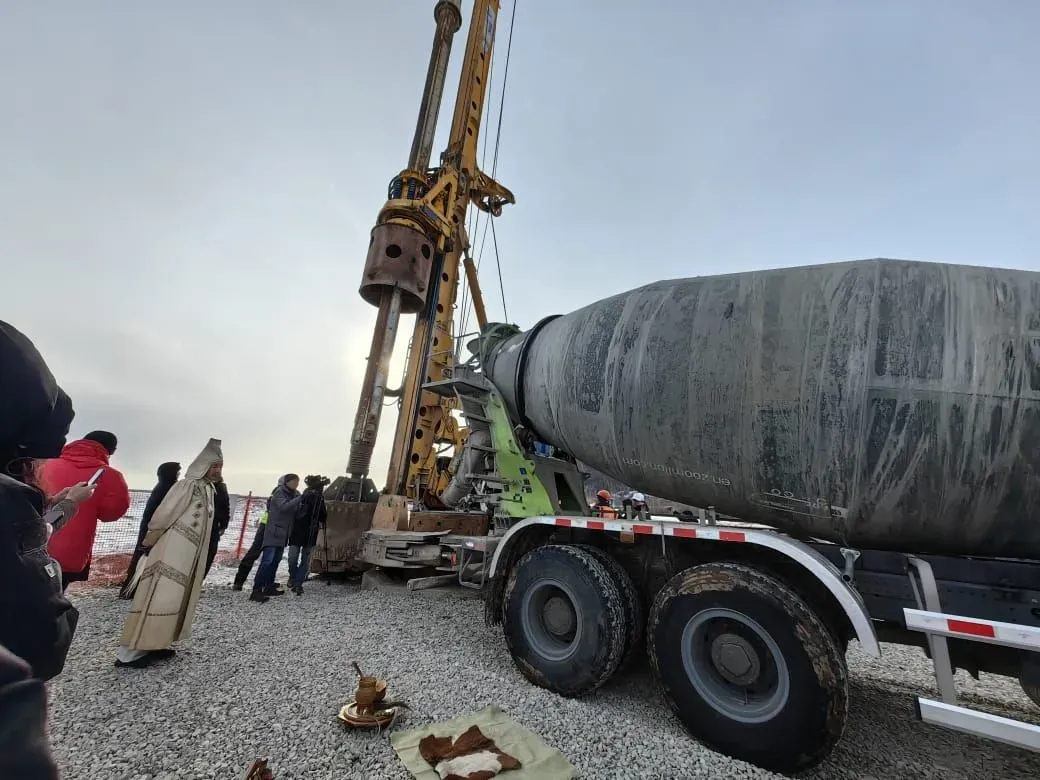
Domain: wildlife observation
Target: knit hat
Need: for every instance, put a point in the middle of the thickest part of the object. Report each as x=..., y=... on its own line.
x=105, y=439
x=168, y=471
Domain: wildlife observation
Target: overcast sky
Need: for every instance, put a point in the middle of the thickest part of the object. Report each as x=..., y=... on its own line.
x=187, y=188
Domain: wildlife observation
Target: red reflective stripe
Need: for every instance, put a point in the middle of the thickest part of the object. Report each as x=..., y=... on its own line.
x=594, y=525
x=732, y=536
x=642, y=529
x=689, y=533
x=563, y=521
x=973, y=629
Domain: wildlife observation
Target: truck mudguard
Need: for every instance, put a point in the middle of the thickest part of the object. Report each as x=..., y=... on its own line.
x=807, y=558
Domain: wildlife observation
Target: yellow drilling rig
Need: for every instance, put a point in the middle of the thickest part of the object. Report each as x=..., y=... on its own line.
x=416, y=255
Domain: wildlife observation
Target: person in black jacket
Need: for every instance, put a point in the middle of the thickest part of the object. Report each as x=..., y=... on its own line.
x=221, y=520
x=310, y=516
x=36, y=621
x=24, y=751
x=168, y=474
x=253, y=553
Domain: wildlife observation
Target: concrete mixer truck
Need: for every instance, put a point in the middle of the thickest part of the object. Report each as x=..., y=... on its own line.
x=862, y=439
x=860, y=442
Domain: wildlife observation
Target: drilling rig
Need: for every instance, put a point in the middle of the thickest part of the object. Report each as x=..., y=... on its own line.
x=417, y=251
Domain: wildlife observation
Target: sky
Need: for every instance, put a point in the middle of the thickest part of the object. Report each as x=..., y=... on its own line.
x=187, y=188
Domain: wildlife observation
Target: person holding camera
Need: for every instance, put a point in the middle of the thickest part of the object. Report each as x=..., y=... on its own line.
x=37, y=622
x=310, y=516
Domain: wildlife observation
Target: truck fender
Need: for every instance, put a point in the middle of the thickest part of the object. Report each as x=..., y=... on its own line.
x=847, y=597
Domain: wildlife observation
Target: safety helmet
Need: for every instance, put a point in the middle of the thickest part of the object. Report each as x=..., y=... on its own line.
x=604, y=494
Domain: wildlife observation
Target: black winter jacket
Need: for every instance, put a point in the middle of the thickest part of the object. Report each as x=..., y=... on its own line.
x=24, y=752
x=310, y=516
x=36, y=621
x=221, y=509
x=167, y=475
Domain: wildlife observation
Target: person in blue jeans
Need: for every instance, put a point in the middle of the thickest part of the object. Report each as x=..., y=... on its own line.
x=281, y=510
x=310, y=516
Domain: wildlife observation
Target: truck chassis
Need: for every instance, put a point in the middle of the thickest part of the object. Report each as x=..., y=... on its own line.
x=745, y=628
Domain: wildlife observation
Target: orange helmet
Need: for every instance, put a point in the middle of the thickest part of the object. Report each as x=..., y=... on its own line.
x=604, y=494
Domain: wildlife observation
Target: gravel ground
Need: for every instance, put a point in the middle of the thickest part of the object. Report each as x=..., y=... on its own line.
x=266, y=680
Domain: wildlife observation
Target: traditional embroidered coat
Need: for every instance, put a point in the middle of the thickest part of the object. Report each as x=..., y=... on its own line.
x=171, y=575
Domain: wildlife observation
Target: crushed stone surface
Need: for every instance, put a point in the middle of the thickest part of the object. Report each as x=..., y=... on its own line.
x=266, y=680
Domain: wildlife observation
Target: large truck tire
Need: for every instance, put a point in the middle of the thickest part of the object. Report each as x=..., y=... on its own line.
x=748, y=667
x=564, y=619
x=635, y=614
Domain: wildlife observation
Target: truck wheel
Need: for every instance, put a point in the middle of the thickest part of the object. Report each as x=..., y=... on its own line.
x=564, y=619
x=748, y=667
x=635, y=615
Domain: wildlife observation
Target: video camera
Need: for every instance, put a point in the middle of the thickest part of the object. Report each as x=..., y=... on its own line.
x=316, y=481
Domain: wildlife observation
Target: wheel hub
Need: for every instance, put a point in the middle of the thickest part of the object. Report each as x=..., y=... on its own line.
x=551, y=620
x=735, y=659
x=735, y=665
x=559, y=616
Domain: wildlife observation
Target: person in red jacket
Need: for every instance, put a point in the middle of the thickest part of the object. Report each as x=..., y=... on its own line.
x=72, y=546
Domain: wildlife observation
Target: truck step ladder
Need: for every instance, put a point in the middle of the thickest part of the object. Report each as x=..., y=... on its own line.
x=475, y=554
x=471, y=391
x=938, y=626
